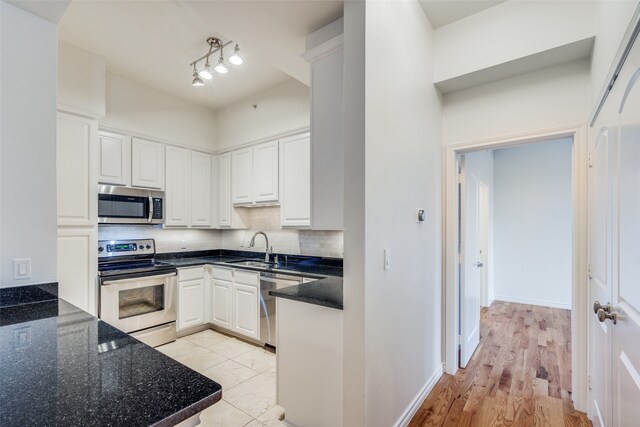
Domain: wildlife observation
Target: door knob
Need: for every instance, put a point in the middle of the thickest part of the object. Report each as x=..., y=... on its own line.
x=597, y=306
x=604, y=315
x=479, y=264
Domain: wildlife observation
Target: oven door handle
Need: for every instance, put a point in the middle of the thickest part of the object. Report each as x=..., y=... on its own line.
x=138, y=279
x=150, y=209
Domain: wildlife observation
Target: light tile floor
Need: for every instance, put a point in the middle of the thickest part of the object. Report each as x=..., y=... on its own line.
x=246, y=372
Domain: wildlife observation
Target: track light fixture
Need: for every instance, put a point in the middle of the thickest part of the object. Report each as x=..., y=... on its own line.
x=215, y=45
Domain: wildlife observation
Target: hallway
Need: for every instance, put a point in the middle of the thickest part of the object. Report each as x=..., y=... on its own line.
x=519, y=375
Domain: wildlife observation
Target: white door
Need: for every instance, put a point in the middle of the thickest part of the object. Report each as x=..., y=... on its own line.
x=191, y=309
x=76, y=170
x=245, y=310
x=626, y=286
x=147, y=164
x=295, y=181
x=221, y=303
x=224, y=190
x=484, y=213
x=201, y=189
x=177, y=187
x=470, y=269
x=114, y=164
x=600, y=276
x=265, y=172
x=242, y=176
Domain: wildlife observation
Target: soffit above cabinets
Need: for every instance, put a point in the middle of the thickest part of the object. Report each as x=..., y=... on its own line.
x=154, y=42
x=443, y=12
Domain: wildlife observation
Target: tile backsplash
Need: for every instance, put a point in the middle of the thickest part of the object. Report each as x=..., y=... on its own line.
x=267, y=219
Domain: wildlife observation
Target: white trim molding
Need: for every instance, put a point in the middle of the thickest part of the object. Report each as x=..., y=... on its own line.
x=532, y=302
x=579, y=298
x=324, y=49
x=411, y=410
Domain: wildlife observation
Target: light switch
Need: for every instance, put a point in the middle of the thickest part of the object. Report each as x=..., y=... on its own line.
x=184, y=244
x=387, y=258
x=22, y=268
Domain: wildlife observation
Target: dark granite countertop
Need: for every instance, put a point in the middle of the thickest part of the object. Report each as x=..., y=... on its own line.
x=297, y=265
x=60, y=366
x=326, y=292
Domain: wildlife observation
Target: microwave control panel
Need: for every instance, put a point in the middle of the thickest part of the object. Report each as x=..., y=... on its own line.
x=157, y=208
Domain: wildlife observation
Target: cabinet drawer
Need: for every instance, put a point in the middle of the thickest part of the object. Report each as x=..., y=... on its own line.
x=190, y=273
x=223, y=273
x=249, y=278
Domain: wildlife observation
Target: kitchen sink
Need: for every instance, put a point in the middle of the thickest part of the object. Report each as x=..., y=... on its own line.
x=251, y=263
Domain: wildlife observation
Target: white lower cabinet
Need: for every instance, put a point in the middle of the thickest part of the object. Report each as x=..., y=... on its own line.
x=191, y=298
x=221, y=303
x=78, y=267
x=235, y=301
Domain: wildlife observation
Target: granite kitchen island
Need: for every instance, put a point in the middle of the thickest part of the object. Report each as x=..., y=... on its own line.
x=60, y=366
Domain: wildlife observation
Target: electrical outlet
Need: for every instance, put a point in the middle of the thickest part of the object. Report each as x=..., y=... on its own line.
x=184, y=244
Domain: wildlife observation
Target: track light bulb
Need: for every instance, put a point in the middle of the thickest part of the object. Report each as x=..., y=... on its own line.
x=197, y=81
x=206, y=73
x=235, y=58
x=220, y=66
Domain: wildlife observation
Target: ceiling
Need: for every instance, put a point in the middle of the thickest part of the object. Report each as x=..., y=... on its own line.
x=153, y=42
x=443, y=12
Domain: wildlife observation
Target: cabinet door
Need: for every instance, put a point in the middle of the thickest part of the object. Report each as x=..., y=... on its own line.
x=265, y=172
x=221, y=303
x=177, y=187
x=147, y=164
x=200, y=189
x=191, y=302
x=245, y=310
x=224, y=190
x=295, y=173
x=114, y=154
x=75, y=167
x=242, y=176
x=77, y=266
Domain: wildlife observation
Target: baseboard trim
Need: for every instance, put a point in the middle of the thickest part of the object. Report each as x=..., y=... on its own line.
x=408, y=414
x=532, y=302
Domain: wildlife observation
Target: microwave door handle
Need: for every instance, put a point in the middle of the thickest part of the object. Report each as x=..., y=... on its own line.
x=150, y=209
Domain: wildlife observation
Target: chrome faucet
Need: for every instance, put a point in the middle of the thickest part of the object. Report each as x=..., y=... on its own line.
x=252, y=243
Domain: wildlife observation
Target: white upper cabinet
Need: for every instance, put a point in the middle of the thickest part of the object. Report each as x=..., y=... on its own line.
x=228, y=216
x=327, y=133
x=177, y=186
x=201, y=189
x=255, y=174
x=295, y=178
x=242, y=176
x=114, y=159
x=147, y=164
x=265, y=172
x=75, y=165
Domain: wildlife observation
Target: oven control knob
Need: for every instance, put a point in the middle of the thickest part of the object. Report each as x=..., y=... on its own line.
x=100, y=249
x=148, y=246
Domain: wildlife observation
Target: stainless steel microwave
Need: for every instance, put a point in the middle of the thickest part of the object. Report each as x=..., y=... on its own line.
x=121, y=205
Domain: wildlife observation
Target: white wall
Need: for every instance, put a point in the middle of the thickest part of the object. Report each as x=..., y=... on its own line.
x=542, y=100
x=532, y=223
x=28, y=74
x=611, y=21
x=81, y=80
x=403, y=173
x=480, y=164
x=509, y=31
x=134, y=107
x=279, y=109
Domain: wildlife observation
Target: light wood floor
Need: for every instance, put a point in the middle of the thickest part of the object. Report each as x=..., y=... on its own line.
x=520, y=375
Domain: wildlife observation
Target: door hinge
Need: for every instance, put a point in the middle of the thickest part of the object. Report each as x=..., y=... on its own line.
x=459, y=340
x=590, y=160
x=460, y=178
x=589, y=271
x=459, y=258
x=589, y=381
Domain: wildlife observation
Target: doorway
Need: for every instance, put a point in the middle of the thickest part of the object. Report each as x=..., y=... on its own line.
x=460, y=325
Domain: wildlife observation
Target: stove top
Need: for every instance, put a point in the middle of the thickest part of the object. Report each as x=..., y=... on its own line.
x=129, y=257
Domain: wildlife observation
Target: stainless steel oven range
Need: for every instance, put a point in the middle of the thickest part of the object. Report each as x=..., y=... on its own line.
x=138, y=295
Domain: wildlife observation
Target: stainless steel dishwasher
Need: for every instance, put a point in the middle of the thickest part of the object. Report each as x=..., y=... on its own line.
x=269, y=282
